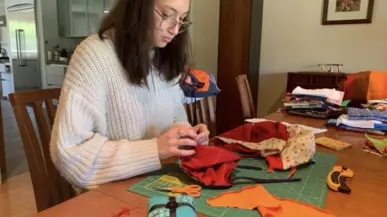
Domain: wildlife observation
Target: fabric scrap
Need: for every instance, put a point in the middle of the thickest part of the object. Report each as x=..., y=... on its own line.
x=332, y=95
x=257, y=197
x=210, y=165
x=265, y=137
x=379, y=144
x=300, y=147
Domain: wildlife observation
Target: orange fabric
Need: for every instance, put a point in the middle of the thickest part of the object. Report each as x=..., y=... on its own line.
x=377, y=88
x=242, y=199
x=202, y=77
x=366, y=85
x=256, y=197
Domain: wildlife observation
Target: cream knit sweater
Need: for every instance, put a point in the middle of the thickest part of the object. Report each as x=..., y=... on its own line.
x=106, y=128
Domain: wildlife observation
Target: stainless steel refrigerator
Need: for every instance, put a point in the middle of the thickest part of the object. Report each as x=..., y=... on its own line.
x=23, y=45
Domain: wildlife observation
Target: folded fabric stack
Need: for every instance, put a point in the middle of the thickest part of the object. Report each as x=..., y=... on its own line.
x=362, y=120
x=316, y=103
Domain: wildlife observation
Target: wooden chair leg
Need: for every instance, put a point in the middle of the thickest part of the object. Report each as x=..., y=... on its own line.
x=3, y=165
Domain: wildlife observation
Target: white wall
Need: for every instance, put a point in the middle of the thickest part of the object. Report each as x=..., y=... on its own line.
x=205, y=34
x=293, y=39
x=3, y=30
x=2, y=7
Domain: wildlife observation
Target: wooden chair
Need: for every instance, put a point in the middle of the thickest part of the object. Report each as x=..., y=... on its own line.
x=49, y=187
x=246, y=98
x=202, y=111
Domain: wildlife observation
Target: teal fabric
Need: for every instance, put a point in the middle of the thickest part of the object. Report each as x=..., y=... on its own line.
x=182, y=211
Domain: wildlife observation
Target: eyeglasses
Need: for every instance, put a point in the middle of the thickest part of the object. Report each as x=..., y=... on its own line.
x=170, y=22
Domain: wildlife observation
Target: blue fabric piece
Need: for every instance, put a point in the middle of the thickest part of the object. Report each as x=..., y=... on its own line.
x=182, y=211
x=365, y=114
x=190, y=89
x=333, y=123
x=381, y=127
x=367, y=118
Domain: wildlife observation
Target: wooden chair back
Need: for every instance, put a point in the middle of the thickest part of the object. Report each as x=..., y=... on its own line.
x=202, y=111
x=246, y=98
x=49, y=187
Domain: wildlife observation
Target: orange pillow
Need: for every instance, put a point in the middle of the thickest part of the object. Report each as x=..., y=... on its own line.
x=377, y=88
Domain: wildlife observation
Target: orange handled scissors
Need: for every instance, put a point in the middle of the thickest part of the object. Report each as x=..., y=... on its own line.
x=192, y=190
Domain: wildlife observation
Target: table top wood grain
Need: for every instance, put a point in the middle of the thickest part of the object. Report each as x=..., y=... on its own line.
x=368, y=197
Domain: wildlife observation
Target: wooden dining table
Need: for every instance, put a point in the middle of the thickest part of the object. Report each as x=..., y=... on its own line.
x=367, y=199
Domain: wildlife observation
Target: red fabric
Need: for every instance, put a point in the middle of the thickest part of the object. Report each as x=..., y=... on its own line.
x=349, y=87
x=369, y=144
x=258, y=132
x=242, y=150
x=275, y=162
x=210, y=165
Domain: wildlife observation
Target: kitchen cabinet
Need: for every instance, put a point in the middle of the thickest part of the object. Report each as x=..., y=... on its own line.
x=55, y=75
x=6, y=80
x=79, y=18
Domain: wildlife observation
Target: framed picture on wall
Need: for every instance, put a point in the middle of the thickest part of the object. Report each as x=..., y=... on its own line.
x=347, y=11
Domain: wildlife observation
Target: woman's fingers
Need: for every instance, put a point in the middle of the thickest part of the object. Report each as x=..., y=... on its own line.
x=200, y=128
x=185, y=142
x=186, y=132
x=203, y=134
x=178, y=152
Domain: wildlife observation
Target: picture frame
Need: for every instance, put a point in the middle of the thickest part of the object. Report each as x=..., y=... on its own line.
x=336, y=12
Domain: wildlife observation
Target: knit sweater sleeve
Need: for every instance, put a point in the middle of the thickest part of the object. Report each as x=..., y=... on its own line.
x=180, y=116
x=85, y=157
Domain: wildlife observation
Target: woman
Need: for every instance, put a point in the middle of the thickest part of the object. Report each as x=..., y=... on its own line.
x=120, y=110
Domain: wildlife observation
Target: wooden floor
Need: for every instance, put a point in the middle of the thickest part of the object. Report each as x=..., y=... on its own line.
x=14, y=151
x=17, y=197
x=16, y=193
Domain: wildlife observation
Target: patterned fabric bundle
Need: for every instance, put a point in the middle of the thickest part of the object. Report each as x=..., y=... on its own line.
x=283, y=147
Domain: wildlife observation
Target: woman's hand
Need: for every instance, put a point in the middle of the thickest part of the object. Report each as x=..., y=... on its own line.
x=203, y=134
x=170, y=143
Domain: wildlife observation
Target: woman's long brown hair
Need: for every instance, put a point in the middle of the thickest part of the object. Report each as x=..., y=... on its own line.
x=131, y=23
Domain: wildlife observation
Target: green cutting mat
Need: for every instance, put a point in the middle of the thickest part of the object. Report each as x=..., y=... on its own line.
x=312, y=189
